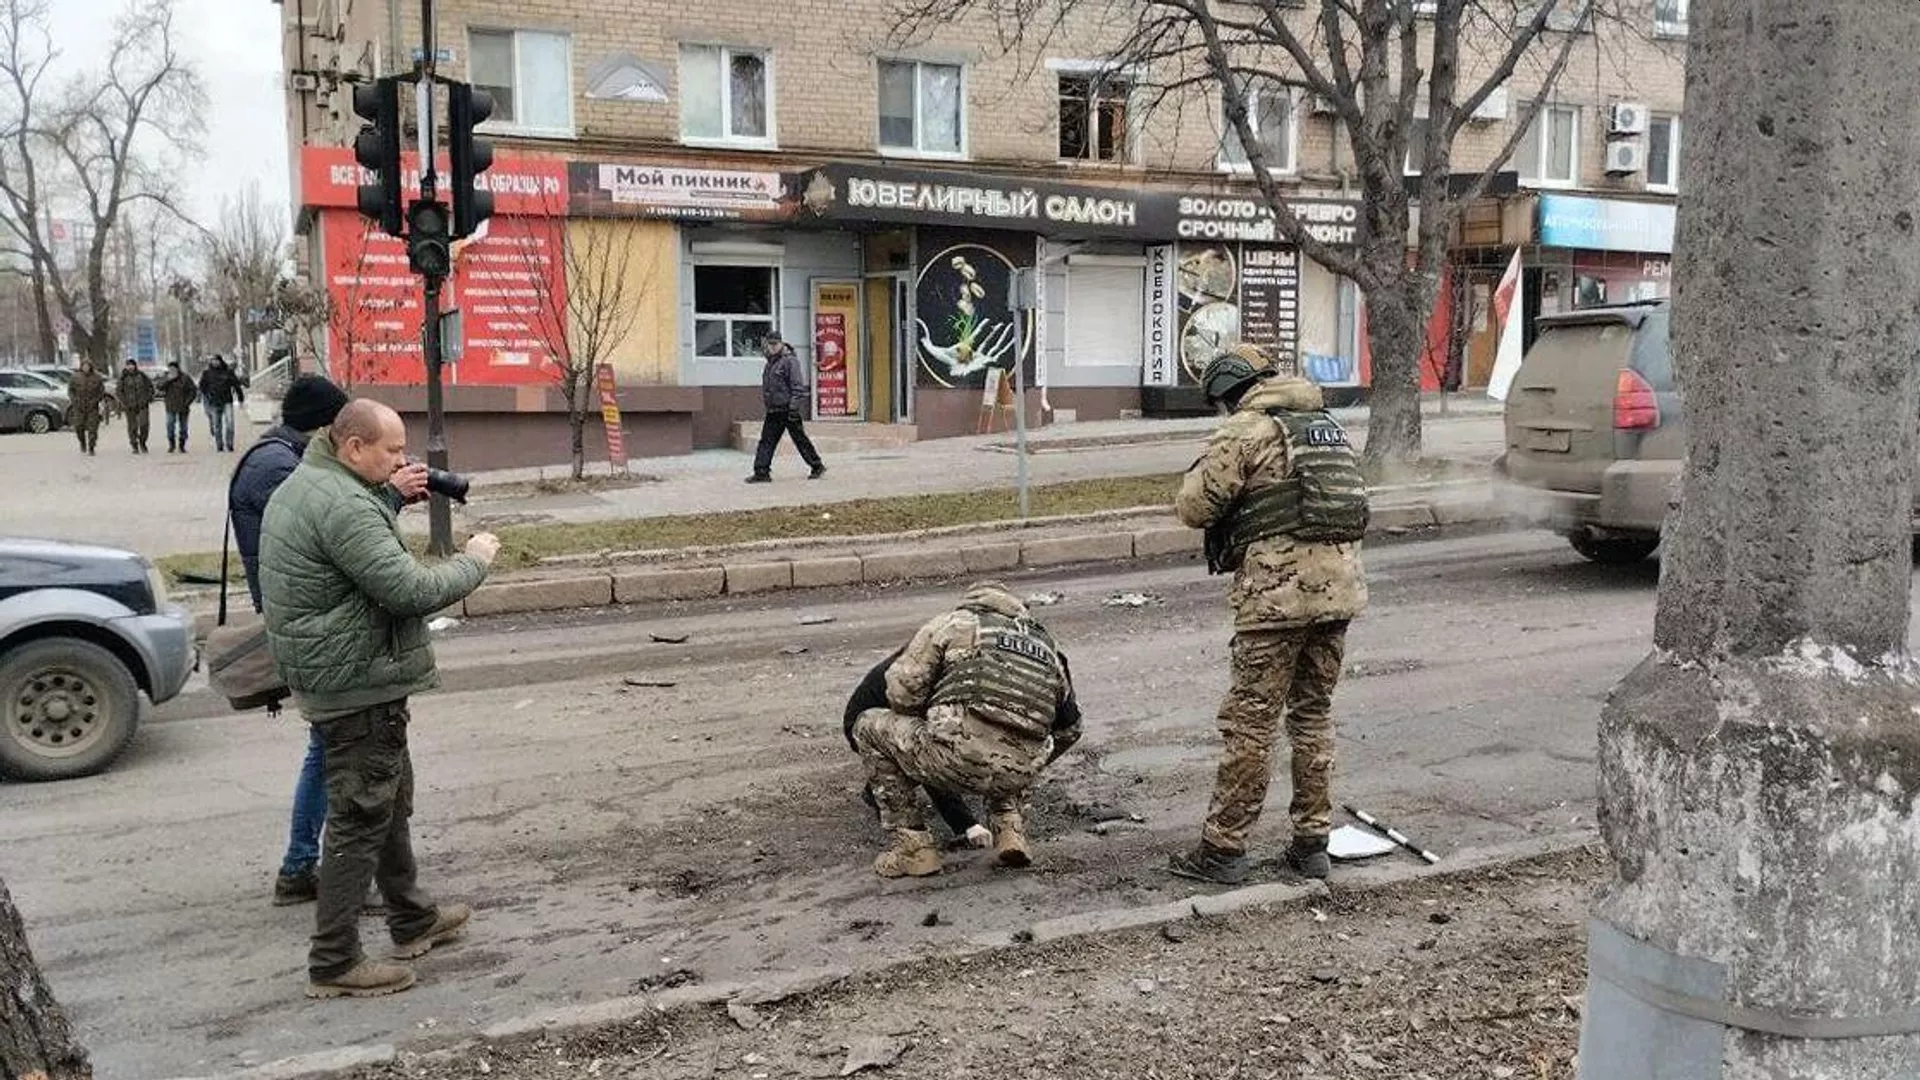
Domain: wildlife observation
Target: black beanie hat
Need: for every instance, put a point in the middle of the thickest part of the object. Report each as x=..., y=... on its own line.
x=311, y=403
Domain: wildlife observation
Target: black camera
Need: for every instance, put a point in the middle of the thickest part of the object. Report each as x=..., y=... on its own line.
x=451, y=484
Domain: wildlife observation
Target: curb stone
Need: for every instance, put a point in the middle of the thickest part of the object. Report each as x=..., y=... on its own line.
x=774, y=988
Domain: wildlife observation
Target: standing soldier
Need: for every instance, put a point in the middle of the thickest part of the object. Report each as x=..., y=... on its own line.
x=178, y=392
x=971, y=705
x=89, y=393
x=1284, y=505
x=136, y=397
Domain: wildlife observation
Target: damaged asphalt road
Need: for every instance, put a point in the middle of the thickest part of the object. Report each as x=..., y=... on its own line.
x=703, y=826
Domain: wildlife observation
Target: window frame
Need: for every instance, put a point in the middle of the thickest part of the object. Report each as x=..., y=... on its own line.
x=1096, y=71
x=1675, y=133
x=1295, y=96
x=918, y=150
x=769, y=141
x=773, y=264
x=1535, y=175
x=1671, y=28
x=518, y=126
x=1416, y=145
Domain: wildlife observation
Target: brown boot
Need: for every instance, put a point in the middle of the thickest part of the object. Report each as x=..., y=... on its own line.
x=912, y=855
x=368, y=978
x=1010, y=841
x=449, y=922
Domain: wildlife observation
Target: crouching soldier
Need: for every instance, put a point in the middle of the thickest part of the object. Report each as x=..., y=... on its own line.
x=952, y=808
x=971, y=706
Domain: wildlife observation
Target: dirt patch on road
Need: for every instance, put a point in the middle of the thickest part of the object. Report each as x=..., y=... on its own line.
x=1476, y=975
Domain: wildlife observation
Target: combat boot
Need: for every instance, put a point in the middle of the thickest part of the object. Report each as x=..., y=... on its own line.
x=1210, y=864
x=368, y=978
x=1307, y=856
x=1010, y=841
x=912, y=855
x=448, y=923
x=300, y=888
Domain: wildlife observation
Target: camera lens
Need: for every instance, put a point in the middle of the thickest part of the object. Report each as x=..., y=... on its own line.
x=450, y=484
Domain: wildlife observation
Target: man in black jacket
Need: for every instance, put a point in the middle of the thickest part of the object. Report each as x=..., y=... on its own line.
x=220, y=388
x=311, y=403
x=785, y=390
x=953, y=810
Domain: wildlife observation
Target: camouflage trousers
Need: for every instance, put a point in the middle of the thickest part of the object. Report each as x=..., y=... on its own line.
x=950, y=750
x=86, y=428
x=1277, y=673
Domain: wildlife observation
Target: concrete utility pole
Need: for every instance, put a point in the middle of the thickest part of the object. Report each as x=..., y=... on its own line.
x=1760, y=772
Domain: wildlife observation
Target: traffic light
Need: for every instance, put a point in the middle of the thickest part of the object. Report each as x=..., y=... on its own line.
x=377, y=148
x=467, y=108
x=429, y=244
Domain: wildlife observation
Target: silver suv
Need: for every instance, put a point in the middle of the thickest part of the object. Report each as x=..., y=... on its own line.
x=83, y=632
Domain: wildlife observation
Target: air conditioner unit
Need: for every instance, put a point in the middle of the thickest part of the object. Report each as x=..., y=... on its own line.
x=1625, y=158
x=1627, y=118
x=304, y=82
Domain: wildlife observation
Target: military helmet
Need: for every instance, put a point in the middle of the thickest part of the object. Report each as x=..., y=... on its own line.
x=1233, y=368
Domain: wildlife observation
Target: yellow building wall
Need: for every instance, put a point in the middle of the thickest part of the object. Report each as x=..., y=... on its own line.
x=634, y=265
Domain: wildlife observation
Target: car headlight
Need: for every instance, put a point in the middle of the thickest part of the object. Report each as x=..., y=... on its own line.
x=157, y=582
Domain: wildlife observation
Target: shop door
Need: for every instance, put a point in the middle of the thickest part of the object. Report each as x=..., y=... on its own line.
x=1483, y=330
x=889, y=352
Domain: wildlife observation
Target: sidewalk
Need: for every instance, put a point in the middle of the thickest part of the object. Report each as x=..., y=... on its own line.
x=167, y=504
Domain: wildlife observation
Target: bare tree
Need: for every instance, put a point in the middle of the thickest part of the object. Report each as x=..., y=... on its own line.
x=1402, y=78
x=35, y=1038
x=245, y=251
x=306, y=312
x=26, y=55
x=603, y=293
x=105, y=135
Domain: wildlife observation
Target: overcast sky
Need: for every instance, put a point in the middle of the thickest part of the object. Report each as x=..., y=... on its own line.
x=236, y=46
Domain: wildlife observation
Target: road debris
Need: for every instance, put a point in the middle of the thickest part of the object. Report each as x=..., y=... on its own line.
x=1133, y=600
x=444, y=622
x=872, y=1052
x=670, y=638
x=652, y=682
x=815, y=620
x=746, y=1016
x=793, y=650
x=1045, y=599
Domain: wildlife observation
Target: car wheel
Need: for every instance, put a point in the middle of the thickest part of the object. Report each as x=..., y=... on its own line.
x=39, y=423
x=1614, y=550
x=67, y=708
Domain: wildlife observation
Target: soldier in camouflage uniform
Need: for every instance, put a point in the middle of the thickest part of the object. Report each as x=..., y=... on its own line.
x=972, y=703
x=88, y=395
x=1281, y=496
x=136, y=400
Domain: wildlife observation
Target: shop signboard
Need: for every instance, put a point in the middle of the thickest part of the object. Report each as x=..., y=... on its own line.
x=1581, y=223
x=836, y=350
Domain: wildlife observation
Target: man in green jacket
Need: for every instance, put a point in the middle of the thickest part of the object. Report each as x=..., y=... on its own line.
x=346, y=606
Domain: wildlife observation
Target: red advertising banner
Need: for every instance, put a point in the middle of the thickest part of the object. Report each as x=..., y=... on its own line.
x=836, y=309
x=329, y=177
x=610, y=415
x=509, y=285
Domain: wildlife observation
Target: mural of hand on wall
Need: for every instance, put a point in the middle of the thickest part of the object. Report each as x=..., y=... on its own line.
x=981, y=346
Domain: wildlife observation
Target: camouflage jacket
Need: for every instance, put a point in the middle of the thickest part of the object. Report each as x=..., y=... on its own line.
x=912, y=678
x=1284, y=583
x=136, y=390
x=89, y=389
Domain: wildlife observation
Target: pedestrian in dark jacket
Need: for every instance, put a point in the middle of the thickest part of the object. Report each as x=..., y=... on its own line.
x=310, y=404
x=178, y=393
x=136, y=399
x=220, y=388
x=953, y=809
x=785, y=390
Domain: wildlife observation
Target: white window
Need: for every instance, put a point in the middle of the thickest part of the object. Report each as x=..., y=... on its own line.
x=530, y=76
x=1416, y=161
x=734, y=309
x=1663, y=153
x=1670, y=17
x=1106, y=312
x=1549, y=153
x=1271, y=112
x=726, y=95
x=922, y=108
x=1096, y=116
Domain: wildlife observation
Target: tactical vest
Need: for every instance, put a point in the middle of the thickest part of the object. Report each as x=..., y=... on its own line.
x=1014, y=668
x=1323, y=498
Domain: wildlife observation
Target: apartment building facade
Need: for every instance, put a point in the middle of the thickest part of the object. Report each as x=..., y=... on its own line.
x=803, y=170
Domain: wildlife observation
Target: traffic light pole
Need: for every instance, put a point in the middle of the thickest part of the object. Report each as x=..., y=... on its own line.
x=439, y=509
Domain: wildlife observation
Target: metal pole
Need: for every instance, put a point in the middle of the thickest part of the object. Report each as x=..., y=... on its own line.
x=439, y=510
x=1020, y=403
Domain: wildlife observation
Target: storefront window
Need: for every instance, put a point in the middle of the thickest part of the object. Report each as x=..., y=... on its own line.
x=734, y=309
